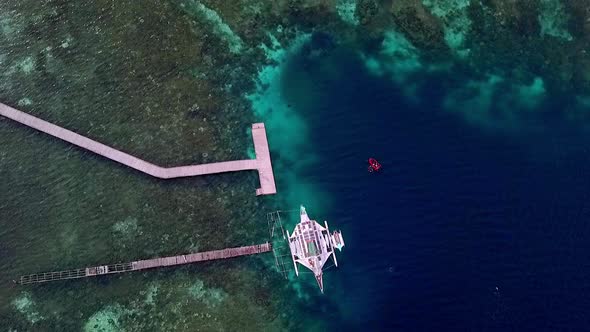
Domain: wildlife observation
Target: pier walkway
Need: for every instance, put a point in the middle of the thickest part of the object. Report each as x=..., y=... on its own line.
x=144, y=264
x=262, y=162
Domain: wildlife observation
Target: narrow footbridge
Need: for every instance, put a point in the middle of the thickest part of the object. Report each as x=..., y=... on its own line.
x=144, y=264
x=262, y=162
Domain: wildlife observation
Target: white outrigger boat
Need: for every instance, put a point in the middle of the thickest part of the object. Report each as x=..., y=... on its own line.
x=311, y=245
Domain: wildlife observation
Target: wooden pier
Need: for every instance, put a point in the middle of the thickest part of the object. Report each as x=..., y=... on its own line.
x=144, y=264
x=262, y=162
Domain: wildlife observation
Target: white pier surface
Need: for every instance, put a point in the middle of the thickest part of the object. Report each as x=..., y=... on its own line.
x=262, y=162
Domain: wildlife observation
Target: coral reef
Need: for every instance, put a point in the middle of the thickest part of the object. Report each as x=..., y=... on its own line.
x=25, y=305
x=178, y=82
x=553, y=19
x=347, y=11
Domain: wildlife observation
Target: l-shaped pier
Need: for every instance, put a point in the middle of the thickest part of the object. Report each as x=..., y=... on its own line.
x=262, y=162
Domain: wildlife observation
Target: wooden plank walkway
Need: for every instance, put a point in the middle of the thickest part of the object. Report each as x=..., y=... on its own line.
x=262, y=163
x=144, y=264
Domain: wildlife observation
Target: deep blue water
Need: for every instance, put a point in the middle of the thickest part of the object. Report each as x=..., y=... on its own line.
x=466, y=228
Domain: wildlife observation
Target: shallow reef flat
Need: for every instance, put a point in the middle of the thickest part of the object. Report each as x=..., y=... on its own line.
x=180, y=82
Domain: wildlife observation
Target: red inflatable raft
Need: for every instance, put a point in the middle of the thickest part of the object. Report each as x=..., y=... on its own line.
x=374, y=165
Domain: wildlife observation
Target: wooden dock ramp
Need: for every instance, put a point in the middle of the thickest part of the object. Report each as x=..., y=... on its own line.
x=262, y=162
x=144, y=264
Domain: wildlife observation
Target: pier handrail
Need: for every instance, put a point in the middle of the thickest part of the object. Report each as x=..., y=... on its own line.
x=144, y=264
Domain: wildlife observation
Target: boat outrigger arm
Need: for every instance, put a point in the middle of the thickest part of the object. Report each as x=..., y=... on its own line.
x=293, y=257
x=311, y=245
x=331, y=243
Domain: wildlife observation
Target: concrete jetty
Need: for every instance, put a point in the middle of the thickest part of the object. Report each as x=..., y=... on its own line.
x=144, y=264
x=262, y=163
